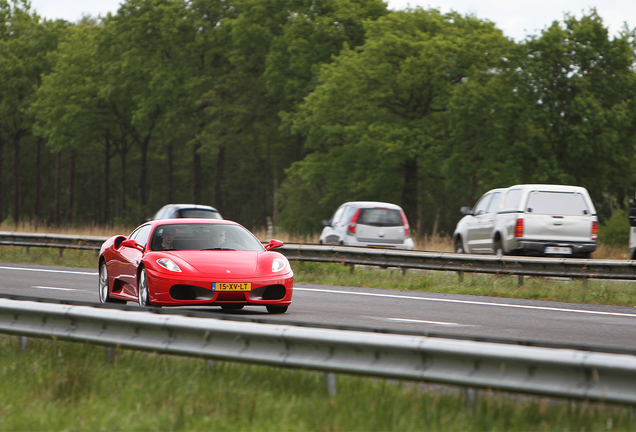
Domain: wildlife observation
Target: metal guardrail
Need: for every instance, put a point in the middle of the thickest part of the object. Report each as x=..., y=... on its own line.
x=59, y=241
x=442, y=261
x=567, y=373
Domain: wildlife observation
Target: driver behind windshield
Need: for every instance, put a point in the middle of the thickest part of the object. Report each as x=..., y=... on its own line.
x=216, y=238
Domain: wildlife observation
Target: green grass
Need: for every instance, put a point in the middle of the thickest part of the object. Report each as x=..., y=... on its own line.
x=57, y=385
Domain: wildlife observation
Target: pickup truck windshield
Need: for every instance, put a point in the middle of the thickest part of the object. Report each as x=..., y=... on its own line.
x=557, y=204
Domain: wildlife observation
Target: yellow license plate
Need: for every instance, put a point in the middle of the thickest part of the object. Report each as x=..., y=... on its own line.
x=231, y=286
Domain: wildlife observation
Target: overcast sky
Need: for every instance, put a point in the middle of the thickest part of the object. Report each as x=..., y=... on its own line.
x=517, y=18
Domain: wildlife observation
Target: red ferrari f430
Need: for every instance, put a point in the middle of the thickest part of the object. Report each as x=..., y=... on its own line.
x=194, y=262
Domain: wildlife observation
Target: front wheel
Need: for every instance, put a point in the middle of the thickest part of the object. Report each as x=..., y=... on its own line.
x=104, y=295
x=276, y=309
x=459, y=246
x=142, y=289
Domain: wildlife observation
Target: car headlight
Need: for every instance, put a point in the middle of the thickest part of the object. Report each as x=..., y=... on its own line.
x=278, y=264
x=168, y=264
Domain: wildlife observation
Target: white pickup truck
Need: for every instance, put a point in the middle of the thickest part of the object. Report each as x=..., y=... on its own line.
x=631, y=214
x=533, y=219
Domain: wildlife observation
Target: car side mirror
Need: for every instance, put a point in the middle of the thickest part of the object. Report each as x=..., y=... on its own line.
x=132, y=244
x=326, y=222
x=273, y=244
x=631, y=216
x=466, y=210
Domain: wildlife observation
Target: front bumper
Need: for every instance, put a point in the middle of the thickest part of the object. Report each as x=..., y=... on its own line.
x=180, y=290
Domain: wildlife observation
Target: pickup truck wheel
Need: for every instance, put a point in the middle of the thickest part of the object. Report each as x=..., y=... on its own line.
x=498, y=248
x=459, y=247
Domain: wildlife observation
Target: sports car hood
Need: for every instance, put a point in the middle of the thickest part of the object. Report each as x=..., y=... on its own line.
x=233, y=262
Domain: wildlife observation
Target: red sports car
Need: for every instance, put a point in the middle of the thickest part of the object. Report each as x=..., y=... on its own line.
x=193, y=262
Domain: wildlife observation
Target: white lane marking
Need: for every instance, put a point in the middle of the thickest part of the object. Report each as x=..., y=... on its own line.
x=54, y=288
x=470, y=302
x=48, y=271
x=429, y=322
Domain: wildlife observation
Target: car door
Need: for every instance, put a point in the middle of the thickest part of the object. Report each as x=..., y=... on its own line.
x=477, y=225
x=131, y=258
x=335, y=231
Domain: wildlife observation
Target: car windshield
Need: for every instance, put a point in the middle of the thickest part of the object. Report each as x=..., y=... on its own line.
x=380, y=217
x=202, y=236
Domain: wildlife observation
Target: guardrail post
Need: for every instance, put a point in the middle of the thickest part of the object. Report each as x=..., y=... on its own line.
x=351, y=266
x=27, y=250
x=24, y=343
x=404, y=271
x=520, y=281
x=110, y=354
x=460, y=276
x=330, y=378
x=471, y=396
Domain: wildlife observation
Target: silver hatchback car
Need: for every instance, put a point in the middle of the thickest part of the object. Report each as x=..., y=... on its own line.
x=172, y=211
x=369, y=224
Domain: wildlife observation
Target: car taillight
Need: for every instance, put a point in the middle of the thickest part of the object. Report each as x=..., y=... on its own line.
x=594, y=230
x=353, y=222
x=405, y=222
x=519, y=228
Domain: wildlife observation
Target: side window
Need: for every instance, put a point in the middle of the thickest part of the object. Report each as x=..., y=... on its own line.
x=511, y=201
x=482, y=205
x=141, y=235
x=494, y=202
x=337, y=217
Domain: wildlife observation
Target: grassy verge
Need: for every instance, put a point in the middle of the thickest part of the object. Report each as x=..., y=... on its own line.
x=69, y=386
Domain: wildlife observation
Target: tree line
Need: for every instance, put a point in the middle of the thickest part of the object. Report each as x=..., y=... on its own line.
x=284, y=109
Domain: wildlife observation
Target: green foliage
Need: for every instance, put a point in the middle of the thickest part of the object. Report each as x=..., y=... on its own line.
x=286, y=109
x=615, y=230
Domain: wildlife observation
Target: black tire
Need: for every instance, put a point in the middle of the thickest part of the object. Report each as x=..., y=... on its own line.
x=632, y=255
x=232, y=306
x=276, y=309
x=459, y=245
x=498, y=247
x=104, y=295
x=142, y=289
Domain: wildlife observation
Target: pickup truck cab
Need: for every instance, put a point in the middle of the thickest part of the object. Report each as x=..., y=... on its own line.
x=533, y=219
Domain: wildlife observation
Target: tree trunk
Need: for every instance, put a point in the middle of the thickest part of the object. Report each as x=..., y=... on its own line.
x=38, y=182
x=16, y=178
x=1, y=177
x=58, y=187
x=170, y=175
x=105, y=216
x=143, y=175
x=71, y=190
x=409, y=191
x=218, y=179
x=196, y=174
x=123, y=151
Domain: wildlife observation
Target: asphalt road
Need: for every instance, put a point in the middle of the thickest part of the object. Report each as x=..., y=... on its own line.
x=612, y=327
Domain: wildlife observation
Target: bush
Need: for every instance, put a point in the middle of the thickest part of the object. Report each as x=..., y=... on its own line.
x=615, y=231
